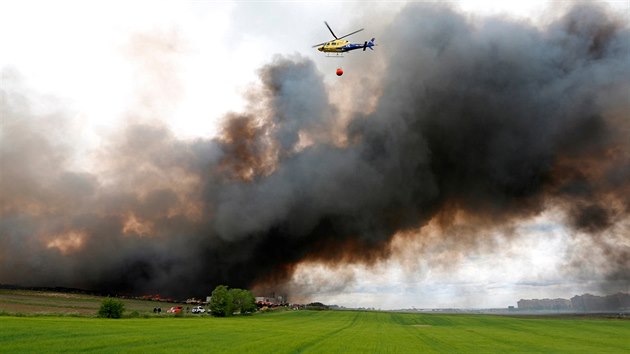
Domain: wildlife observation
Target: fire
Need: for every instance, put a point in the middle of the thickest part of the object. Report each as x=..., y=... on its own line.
x=68, y=242
x=139, y=227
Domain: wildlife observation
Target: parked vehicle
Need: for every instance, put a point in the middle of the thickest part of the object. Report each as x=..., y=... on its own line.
x=175, y=309
x=198, y=309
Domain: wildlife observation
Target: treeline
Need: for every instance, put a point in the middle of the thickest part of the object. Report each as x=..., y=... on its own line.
x=580, y=303
x=591, y=303
x=226, y=302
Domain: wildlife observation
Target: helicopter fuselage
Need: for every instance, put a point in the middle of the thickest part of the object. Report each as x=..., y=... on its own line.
x=341, y=46
x=334, y=46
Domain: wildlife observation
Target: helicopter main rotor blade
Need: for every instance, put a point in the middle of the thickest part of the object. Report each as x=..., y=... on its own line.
x=350, y=34
x=333, y=33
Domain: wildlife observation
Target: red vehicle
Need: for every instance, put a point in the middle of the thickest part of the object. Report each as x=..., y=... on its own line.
x=175, y=309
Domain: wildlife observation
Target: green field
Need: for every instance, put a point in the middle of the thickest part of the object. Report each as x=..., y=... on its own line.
x=41, y=321
x=316, y=332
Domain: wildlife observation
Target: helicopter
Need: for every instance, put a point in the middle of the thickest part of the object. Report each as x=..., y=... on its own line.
x=338, y=45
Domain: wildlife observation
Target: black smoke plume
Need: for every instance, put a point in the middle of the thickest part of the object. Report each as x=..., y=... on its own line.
x=493, y=119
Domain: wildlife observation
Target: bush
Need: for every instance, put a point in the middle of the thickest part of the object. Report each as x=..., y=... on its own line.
x=111, y=308
x=316, y=306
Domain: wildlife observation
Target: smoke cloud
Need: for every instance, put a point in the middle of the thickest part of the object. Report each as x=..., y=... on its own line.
x=490, y=121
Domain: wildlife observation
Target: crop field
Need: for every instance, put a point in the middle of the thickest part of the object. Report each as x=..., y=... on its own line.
x=315, y=332
x=68, y=304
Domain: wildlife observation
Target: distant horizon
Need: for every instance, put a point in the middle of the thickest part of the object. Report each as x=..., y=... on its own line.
x=169, y=299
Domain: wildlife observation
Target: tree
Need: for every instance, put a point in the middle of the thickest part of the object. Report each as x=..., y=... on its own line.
x=243, y=300
x=224, y=302
x=111, y=308
x=221, y=302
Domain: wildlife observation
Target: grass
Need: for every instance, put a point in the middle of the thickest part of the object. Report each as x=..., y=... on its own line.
x=317, y=332
x=28, y=302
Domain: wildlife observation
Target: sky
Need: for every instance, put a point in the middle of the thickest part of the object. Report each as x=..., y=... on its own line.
x=189, y=64
x=223, y=44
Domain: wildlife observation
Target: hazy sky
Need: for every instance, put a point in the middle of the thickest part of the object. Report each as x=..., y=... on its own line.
x=92, y=58
x=81, y=51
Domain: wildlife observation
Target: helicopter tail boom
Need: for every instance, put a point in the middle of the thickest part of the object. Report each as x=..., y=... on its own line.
x=369, y=44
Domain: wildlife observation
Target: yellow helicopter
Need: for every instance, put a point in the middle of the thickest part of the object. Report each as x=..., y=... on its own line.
x=338, y=45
